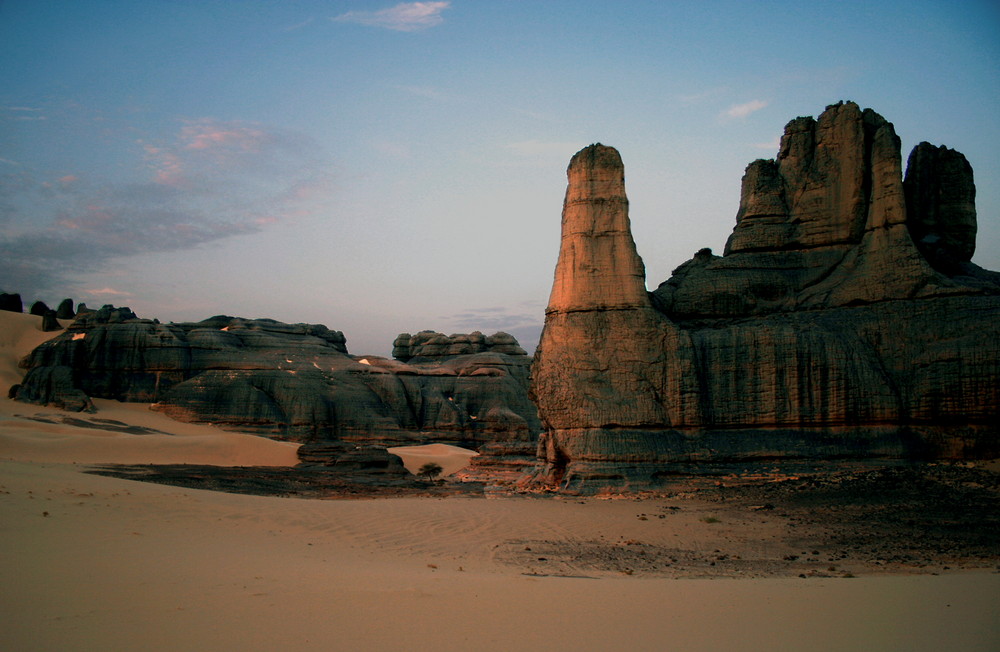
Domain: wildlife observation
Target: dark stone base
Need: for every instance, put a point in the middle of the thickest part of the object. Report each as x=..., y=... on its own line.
x=636, y=460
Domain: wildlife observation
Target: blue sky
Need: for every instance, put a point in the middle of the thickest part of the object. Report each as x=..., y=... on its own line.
x=384, y=167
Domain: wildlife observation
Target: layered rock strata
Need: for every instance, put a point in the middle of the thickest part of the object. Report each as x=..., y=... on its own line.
x=823, y=331
x=287, y=381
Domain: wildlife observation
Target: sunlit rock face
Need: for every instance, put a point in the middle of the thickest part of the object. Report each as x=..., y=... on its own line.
x=824, y=330
x=287, y=381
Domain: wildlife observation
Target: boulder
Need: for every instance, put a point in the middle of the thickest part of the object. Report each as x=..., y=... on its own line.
x=823, y=331
x=65, y=309
x=50, y=322
x=11, y=302
x=941, y=206
x=38, y=308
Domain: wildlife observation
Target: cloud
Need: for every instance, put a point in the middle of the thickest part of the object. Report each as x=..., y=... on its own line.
x=743, y=110
x=213, y=135
x=108, y=292
x=212, y=180
x=405, y=17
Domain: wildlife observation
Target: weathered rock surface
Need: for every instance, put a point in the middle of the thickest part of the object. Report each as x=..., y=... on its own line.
x=286, y=381
x=824, y=330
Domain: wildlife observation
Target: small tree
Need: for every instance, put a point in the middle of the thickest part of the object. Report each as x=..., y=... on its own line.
x=430, y=471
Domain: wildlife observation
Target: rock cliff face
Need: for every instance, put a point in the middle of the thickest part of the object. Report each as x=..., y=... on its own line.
x=286, y=381
x=844, y=319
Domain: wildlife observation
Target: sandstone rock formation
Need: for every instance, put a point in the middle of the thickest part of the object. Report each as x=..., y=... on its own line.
x=426, y=346
x=11, y=302
x=50, y=322
x=823, y=330
x=287, y=381
x=65, y=309
x=38, y=308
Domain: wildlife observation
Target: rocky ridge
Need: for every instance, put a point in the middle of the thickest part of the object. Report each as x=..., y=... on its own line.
x=845, y=318
x=295, y=382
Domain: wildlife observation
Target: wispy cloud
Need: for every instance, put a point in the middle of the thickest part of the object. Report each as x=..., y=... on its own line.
x=108, y=292
x=215, y=135
x=211, y=181
x=22, y=113
x=745, y=109
x=404, y=17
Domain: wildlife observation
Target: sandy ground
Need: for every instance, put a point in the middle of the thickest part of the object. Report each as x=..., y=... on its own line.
x=91, y=562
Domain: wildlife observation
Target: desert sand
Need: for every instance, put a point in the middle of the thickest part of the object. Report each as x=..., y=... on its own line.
x=94, y=562
x=449, y=458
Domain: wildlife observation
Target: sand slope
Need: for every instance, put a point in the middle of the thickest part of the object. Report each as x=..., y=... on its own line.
x=42, y=434
x=97, y=563
x=449, y=458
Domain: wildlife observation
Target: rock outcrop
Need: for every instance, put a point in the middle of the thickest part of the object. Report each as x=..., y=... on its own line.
x=287, y=381
x=11, y=302
x=38, y=308
x=427, y=346
x=823, y=330
x=50, y=322
x=65, y=309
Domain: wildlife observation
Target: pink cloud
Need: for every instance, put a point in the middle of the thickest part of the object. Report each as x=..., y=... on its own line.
x=107, y=291
x=743, y=110
x=68, y=179
x=167, y=166
x=211, y=135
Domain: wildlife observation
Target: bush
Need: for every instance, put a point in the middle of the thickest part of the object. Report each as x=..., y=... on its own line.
x=430, y=471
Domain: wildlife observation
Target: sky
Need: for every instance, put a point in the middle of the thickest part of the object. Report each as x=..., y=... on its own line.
x=383, y=167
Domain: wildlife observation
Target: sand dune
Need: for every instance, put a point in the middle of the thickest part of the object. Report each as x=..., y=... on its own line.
x=92, y=562
x=449, y=458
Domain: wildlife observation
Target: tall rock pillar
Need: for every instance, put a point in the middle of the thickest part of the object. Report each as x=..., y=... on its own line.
x=598, y=266
x=600, y=366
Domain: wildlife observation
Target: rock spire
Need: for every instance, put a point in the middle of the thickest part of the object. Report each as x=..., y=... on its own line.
x=598, y=266
x=845, y=318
